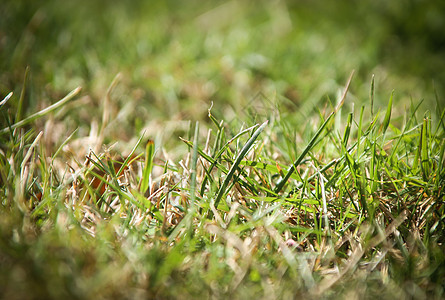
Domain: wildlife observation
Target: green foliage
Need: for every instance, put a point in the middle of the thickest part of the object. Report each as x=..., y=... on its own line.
x=290, y=185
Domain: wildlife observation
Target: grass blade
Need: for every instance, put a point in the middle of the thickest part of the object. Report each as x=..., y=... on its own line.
x=217, y=155
x=22, y=95
x=347, y=130
x=310, y=145
x=44, y=111
x=244, y=150
x=193, y=167
x=53, y=157
x=372, y=96
x=424, y=150
x=130, y=158
x=388, y=114
x=149, y=154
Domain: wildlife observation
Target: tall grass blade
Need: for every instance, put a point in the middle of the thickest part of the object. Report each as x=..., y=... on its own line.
x=217, y=155
x=387, y=118
x=359, y=130
x=193, y=167
x=241, y=155
x=424, y=150
x=441, y=163
x=324, y=202
x=310, y=145
x=347, y=130
x=371, y=95
x=186, y=222
x=53, y=157
x=30, y=150
x=22, y=95
x=44, y=111
x=130, y=156
x=149, y=154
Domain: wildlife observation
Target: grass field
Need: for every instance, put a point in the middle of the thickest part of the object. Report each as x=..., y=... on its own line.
x=225, y=149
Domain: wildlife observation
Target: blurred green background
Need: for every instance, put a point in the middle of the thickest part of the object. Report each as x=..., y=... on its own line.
x=177, y=57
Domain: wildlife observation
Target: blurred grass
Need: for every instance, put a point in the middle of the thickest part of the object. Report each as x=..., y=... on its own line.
x=178, y=57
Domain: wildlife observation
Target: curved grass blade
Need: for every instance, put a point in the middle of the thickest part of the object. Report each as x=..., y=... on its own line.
x=241, y=155
x=44, y=111
x=311, y=144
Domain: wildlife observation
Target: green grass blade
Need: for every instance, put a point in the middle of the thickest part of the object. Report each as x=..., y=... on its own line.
x=44, y=111
x=193, y=167
x=347, y=130
x=214, y=160
x=214, y=120
x=187, y=221
x=388, y=114
x=440, y=168
x=206, y=157
x=373, y=168
x=359, y=130
x=324, y=202
x=130, y=157
x=310, y=145
x=424, y=150
x=371, y=94
x=22, y=95
x=225, y=147
x=62, y=145
x=149, y=154
x=241, y=155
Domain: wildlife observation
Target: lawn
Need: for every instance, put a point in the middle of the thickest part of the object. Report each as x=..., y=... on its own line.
x=222, y=149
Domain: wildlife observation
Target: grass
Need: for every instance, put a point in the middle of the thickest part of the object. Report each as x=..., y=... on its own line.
x=233, y=154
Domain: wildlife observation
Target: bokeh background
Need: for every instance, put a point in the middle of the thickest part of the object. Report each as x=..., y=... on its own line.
x=176, y=57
